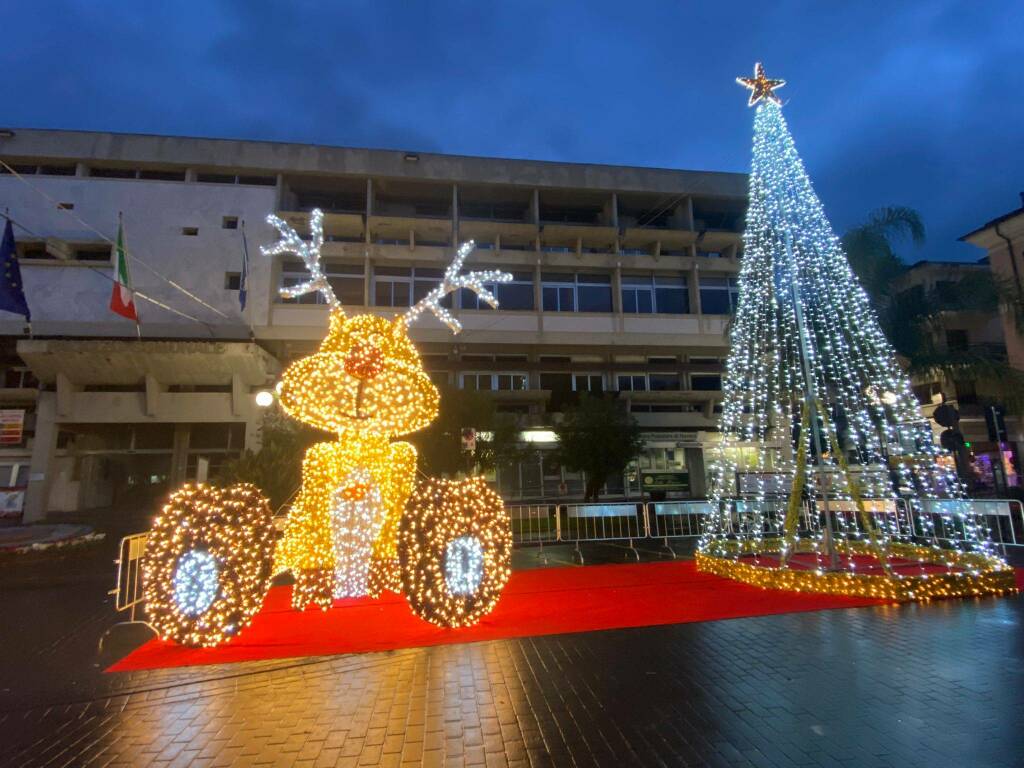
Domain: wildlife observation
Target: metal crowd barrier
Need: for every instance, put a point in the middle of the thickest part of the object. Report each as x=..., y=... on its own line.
x=540, y=524
x=128, y=590
x=621, y=521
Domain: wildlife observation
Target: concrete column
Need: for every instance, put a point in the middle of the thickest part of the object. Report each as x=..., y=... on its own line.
x=693, y=286
x=620, y=322
x=179, y=453
x=153, y=391
x=239, y=393
x=65, y=395
x=279, y=191
x=538, y=296
x=44, y=444
x=455, y=215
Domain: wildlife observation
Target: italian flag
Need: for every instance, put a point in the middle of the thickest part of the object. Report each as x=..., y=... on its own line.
x=121, y=299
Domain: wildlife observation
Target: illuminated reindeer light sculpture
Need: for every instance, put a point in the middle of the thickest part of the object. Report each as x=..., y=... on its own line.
x=360, y=524
x=366, y=384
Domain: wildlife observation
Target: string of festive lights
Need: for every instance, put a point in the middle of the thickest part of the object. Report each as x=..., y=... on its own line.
x=816, y=409
x=366, y=384
x=207, y=563
x=455, y=548
x=452, y=281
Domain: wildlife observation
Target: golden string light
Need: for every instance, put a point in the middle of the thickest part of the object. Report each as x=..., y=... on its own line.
x=366, y=384
x=211, y=554
x=208, y=561
x=455, y=547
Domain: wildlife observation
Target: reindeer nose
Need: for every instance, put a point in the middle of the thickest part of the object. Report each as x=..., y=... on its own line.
x=364, y=361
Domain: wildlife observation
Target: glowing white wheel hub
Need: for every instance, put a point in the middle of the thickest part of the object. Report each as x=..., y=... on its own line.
x=464, y=565
x=195, y=582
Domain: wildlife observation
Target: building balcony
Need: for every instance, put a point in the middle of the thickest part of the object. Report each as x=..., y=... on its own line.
x=345, y=225
x=410, y=228
x=18, y=395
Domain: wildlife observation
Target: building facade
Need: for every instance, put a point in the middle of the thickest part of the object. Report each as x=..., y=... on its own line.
x=991, y=461
x=624, y=280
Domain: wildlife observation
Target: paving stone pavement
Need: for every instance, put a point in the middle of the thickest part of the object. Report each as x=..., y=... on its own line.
x=915, y=685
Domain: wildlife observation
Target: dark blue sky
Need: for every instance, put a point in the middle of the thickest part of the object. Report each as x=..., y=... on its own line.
x=903, y=103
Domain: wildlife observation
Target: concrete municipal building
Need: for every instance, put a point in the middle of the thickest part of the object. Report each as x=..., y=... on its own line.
x=624, y=280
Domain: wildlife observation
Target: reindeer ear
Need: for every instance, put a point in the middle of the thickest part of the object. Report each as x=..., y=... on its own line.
x=400, y=327
x=335, y=330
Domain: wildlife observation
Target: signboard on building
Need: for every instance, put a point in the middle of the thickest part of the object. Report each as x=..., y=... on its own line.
x=768, y=483
x=12, y=503
x=657, y=481
x=12, y=426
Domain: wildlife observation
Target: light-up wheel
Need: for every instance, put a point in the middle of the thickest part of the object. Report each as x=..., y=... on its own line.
x=208, y=561
x=454, y=546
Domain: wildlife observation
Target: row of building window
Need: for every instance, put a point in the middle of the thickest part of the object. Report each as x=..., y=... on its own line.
x=589, y=382
x=560, y=292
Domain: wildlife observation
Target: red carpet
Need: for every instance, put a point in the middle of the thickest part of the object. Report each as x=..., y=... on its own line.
x=545, y=601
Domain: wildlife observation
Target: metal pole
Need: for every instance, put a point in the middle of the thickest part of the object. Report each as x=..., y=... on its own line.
x=812, y=395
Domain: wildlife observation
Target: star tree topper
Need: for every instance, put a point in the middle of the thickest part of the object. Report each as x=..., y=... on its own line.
x=761, y=86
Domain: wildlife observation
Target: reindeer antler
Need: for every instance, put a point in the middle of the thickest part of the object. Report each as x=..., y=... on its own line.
x=309, y=252
x=452, y=281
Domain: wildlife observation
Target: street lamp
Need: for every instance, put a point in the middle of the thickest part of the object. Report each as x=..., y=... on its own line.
x=264, y=398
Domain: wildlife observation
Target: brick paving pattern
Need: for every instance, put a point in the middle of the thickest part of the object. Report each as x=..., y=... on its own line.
x=931, y=685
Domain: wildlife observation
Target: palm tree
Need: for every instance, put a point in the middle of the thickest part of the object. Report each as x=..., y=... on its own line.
x=914, y=320
x=869, y=247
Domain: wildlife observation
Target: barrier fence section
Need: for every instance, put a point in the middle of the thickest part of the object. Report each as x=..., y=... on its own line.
x=128, y=591
x=540, y=524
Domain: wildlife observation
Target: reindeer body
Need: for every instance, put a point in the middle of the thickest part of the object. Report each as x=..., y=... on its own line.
x=365, y=384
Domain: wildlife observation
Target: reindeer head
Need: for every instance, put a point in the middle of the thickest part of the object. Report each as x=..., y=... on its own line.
x=367, y=375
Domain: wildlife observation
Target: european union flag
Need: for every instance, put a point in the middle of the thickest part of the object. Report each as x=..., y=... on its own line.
x=12, y=291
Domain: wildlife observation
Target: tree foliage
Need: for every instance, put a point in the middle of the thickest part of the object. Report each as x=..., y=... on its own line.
x=599, y=438
x=914, y=320
x=276, y=468
x=439, y=446
x=870, y=249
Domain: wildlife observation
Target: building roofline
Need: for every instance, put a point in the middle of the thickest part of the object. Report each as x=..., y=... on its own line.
x=297, y=157
x=990, y=224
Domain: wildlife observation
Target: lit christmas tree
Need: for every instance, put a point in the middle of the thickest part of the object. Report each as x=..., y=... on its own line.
x=826, y=459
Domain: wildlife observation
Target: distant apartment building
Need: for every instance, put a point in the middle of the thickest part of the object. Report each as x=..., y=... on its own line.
x=993, y=436
x=623, y=281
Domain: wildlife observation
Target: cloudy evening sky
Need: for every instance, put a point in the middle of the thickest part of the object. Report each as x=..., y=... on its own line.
x=890, y=103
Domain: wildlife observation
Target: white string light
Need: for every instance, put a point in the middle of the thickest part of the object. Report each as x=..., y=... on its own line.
x=357, y=516
x=795, y=278
x=464, y=565
x=452, y=281
x=195, y=582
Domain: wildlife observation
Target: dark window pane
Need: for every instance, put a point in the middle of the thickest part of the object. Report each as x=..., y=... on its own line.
x=705, y=382
x=664, y=382
x=644, y=305
x=515, y=296
x=556, y=382
x=629, y=301
x=714, y=302
x=382, y=294
x=671, y=301
x=595, y=298
x=401, y=294
x=348, y=290
x=550, y=295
